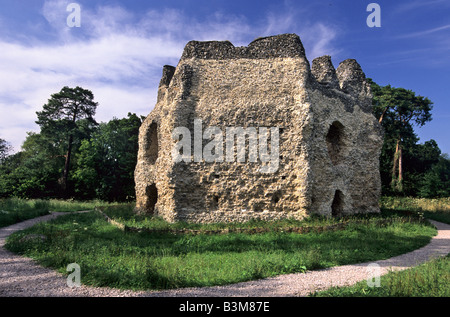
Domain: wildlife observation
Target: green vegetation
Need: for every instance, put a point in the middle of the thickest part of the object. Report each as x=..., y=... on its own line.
x=431, y=279
x=109, y=256
x=106, y=162
x=65, y=113
x=397, y=109
x=125, y=215
x=5, y=148
x=437, y=209
x=13, y=210
x=73, y=156
x=73, y=205
x=408, y=168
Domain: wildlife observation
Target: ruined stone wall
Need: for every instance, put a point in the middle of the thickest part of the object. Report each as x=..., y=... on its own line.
x=266, y=84
x=346, y=140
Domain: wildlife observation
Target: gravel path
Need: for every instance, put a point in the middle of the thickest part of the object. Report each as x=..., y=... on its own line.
x=22, y=277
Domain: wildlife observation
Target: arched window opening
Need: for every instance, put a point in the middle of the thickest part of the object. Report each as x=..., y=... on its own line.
x=335, y=142
x=152, y=143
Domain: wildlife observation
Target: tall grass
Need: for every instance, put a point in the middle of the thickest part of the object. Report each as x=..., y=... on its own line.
x=431, y=279
x=416, y=204
x=74, y=205
x=13, y=210
x=111, y=257
x=432, y=208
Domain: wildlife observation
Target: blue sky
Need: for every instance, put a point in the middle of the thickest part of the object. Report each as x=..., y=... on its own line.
x=121, y=46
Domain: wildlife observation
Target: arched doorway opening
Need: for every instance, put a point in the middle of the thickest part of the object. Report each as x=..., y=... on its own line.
x=337, y=206
x=152, y=198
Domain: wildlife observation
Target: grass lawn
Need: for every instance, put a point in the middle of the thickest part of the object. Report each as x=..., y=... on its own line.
x=111, y=257
x=431, y=279
x=437, y=209
x=13, y=210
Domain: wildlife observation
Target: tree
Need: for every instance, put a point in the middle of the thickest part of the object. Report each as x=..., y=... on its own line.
x=7, y=182
x=61, y=116
x=436, y=182
x=5, y=148
x=397, y=109
x=418, y=160
x=106, y=162
x=31, y=173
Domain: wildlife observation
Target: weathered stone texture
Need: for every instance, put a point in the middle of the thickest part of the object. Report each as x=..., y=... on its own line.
x=329, y=140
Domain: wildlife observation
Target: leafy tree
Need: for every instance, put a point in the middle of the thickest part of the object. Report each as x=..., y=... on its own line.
x=418, y=160
x=436, y=182
x=30, y=173
x=5, y=148
x=8, y=165
x=61, y=117
x=423, y=156
x=397, y=110
x=106, y=162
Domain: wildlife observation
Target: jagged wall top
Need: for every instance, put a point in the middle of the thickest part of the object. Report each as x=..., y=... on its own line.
x=284, y=45
x=347, y=78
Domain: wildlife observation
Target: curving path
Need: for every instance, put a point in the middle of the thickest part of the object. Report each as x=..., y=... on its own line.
x=22, y=277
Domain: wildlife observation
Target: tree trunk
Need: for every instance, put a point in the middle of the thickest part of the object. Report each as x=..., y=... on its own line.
x=400, y=164
x=67, y=166
x=400, y=169
x=382, y=115
x=397, y=168
x=394, y=167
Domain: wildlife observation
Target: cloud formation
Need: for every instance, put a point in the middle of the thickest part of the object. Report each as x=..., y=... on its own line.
x=119, y=54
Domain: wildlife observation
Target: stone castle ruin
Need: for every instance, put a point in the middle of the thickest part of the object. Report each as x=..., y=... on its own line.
x=315, y=123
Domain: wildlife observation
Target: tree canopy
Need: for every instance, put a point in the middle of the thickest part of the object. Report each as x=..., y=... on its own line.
x=60, y=119
x=5, y=148
x=403, y=161
x=106, y=161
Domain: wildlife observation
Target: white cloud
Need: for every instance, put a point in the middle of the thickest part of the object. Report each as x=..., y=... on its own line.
x=119, y=56
x=121, y=67
x=317, y=37
x=319, y=41
x=420, y=4
x=426, y=32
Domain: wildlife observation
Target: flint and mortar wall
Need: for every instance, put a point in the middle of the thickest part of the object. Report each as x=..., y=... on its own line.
x=267, y=84
x=346, y=140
